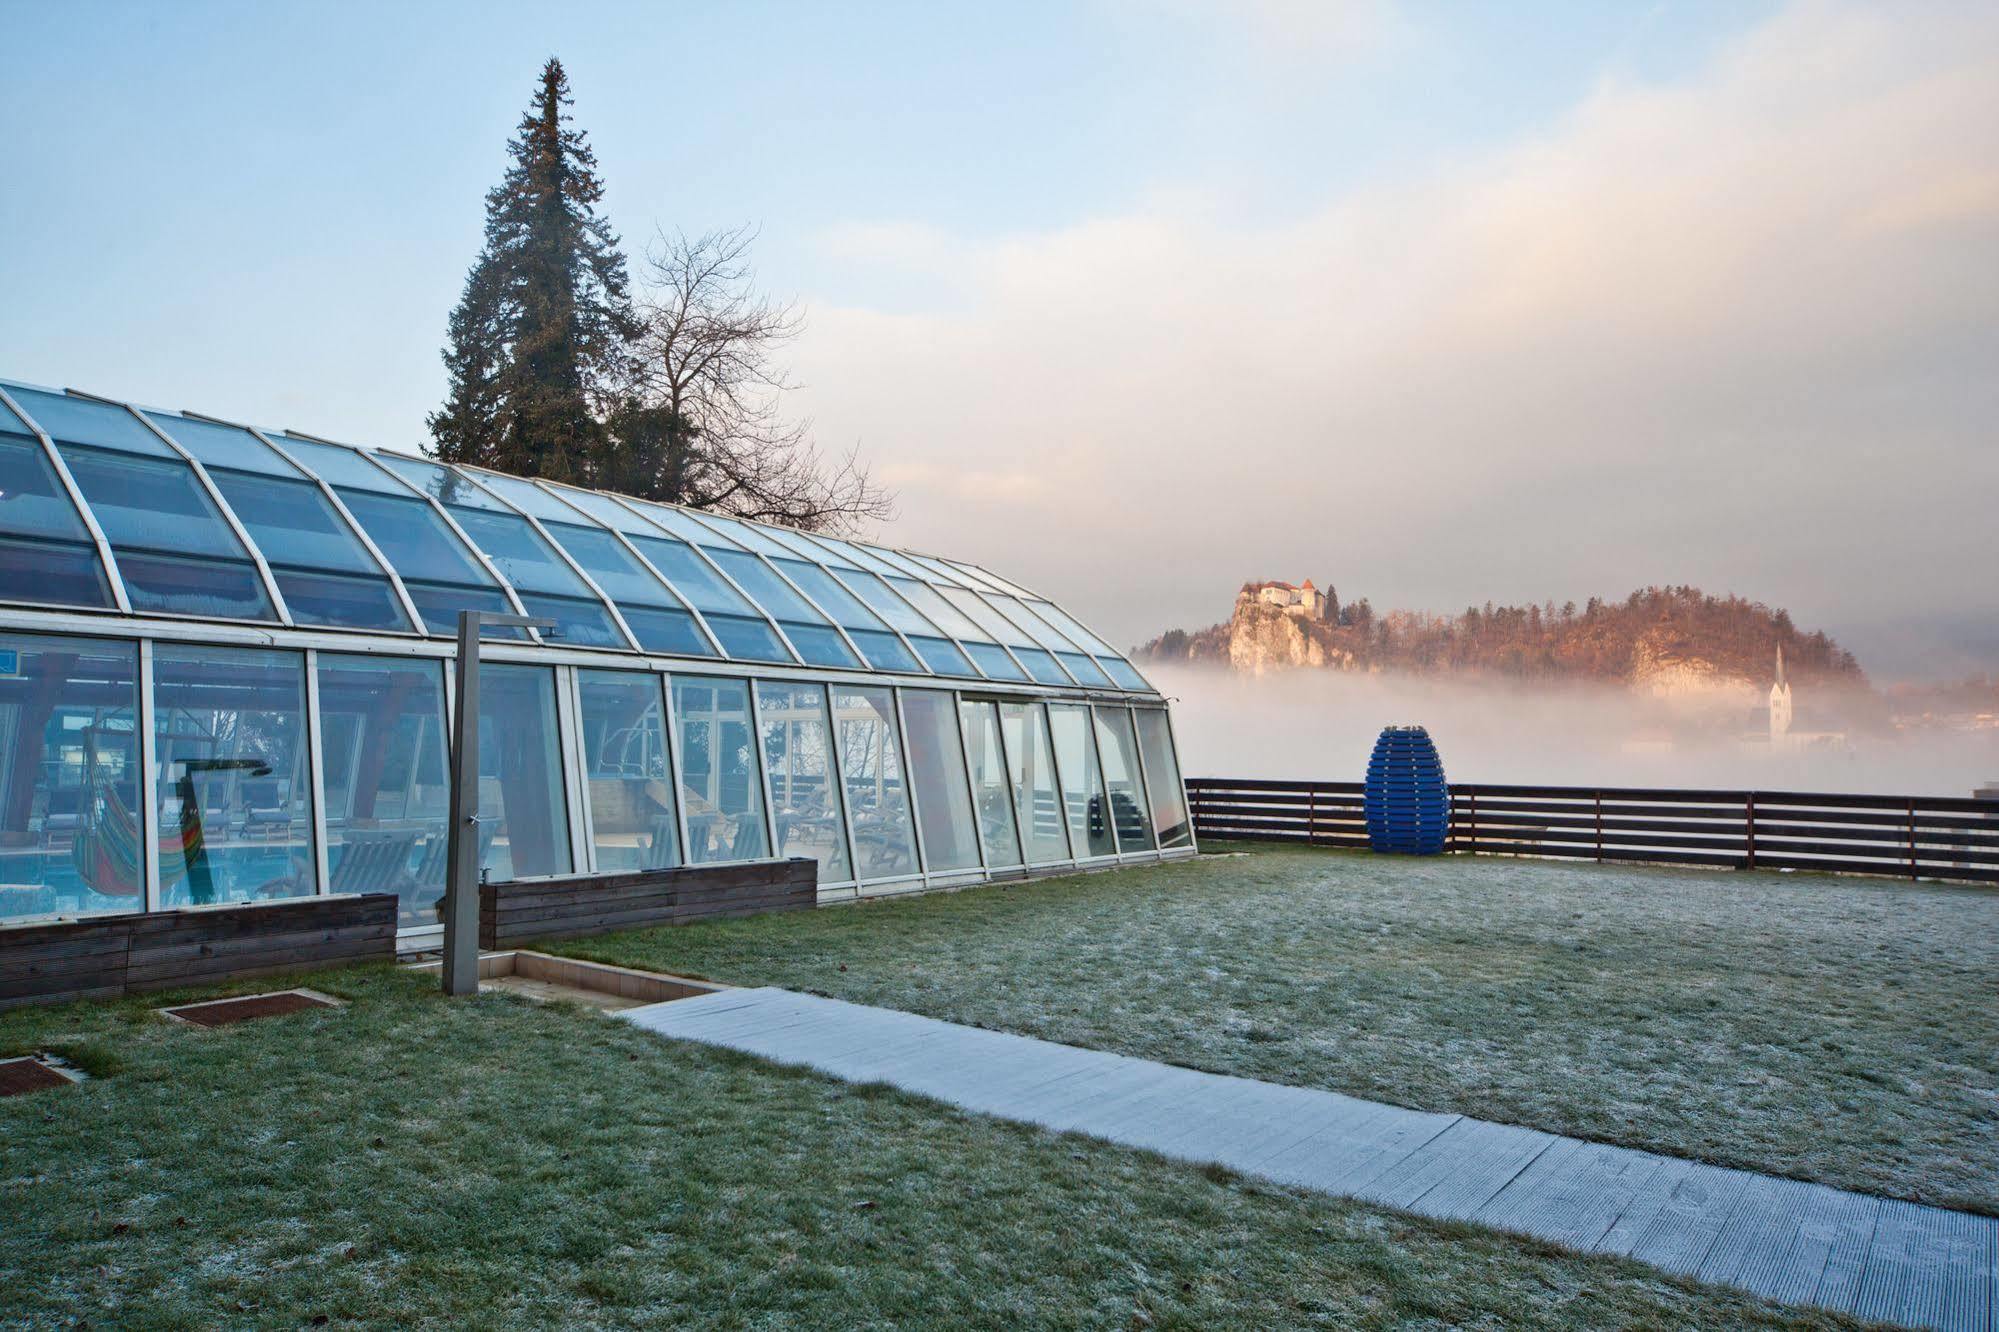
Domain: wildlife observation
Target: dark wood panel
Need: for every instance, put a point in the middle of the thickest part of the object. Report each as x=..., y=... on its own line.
x=110, y=955
x=573, y=906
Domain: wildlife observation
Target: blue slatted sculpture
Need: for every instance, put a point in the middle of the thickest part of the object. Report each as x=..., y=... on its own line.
x=1407, y=802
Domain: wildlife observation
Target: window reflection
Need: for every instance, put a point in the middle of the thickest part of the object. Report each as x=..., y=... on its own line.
x=235, y=809
x=70, y=836
x=798, y=759
x=1083, y=797
x=1030, y=763
x=387, y=779
x=937, y=767
x=1162, y=778
x=718, y=770
x=630, y=774
x=877, y=793
x=992, y=793
x=1119, y=750
x=521, y=805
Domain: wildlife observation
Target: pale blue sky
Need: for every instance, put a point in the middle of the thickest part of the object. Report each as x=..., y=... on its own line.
x=269, y=207
x=1623, y=293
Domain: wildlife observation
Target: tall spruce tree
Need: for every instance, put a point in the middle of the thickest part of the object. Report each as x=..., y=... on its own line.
x=538, y=341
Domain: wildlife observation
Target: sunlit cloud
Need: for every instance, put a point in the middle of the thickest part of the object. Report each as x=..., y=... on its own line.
x=1735, y=330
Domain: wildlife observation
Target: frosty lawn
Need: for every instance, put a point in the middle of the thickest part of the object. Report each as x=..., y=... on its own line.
x=412, y=1161
x=1840, y=1030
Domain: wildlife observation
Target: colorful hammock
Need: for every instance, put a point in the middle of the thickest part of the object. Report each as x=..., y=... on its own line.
x=106, y=849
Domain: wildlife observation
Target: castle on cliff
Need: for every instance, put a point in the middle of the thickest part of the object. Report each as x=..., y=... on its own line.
x=1305, y=601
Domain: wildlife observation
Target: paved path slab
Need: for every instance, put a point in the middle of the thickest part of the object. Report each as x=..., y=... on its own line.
x=1777, y=1238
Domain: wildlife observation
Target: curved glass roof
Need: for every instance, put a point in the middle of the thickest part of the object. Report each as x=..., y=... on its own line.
x=106, y=506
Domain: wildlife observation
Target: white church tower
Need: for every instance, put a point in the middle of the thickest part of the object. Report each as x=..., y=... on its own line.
x=1780, y=702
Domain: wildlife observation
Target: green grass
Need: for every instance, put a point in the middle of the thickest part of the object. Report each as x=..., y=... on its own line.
x=1842, y=1030
x=415, y=1161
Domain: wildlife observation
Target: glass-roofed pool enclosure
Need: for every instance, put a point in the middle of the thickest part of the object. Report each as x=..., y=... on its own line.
x=224, y=678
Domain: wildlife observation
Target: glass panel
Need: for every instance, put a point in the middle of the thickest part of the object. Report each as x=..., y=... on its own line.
x=1041, y=665
x=1038, y=629
x=293, y=523
x=937, y=767
x=942, y=656
x=719, y=783
x=578, y=623
x=526, y=496
x=223, y=445
x=439, y=604
x=946, y=616
x=993, y=660
x=818, y=552
x=32, y=499
x=339, y=467
x=877, y=794
x=235, y=802
x=766, y=588
x=937, y=569
x=845, y=608
x=631, y=778
x=70, y=836
x=820, y=644
x=979, y=579
x=414, y=539
x=798, y=762
x=897, y=563
x=1063, y=621
x=682, y=526
x=341, y=600
x=1031, y=765
x=622, y=578
x=1119, y=750
x=83, y=421
x=521, y=802
x=1083, y=795
x=387, y=779
x=863, y=558
x=703, y=588
x=439, y=482
x=741, y=533
x=223, y=589
x=884, y=650
x=885, y=603
x=1084, y=669
x=523, y=558
x=1120, y=670
x=992, y=788
x=1162, y=778
x=747, y=639
x=672, y=631
x=606, y=510
x=52, y=573
x=152, y=503
x=996, y=626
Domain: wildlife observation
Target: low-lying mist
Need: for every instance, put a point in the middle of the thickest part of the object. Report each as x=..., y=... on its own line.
x=1322, y=724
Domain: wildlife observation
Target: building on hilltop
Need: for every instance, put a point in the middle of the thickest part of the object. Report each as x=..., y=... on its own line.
x=1306, y=600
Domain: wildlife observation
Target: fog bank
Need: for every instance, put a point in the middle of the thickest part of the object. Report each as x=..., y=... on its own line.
x=1322, y=724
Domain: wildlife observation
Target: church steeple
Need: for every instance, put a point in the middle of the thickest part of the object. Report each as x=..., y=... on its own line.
x=1780, y=701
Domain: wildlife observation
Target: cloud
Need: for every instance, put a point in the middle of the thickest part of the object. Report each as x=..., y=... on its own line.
x=1735, y=330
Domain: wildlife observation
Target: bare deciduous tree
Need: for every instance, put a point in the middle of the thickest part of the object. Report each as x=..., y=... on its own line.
x=703, y=421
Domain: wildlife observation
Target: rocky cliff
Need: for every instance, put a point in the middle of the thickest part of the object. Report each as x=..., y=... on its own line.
x=1670, y=643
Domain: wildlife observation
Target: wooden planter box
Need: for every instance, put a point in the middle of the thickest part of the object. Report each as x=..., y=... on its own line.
x=522, y=911
x=105, y=956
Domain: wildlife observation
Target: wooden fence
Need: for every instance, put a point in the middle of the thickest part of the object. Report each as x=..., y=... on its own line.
x=1912, y=837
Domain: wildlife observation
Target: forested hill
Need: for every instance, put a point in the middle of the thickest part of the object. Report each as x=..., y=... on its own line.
x=1657, y=635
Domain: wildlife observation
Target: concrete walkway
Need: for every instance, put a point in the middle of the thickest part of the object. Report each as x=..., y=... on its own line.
x=1800, y=1243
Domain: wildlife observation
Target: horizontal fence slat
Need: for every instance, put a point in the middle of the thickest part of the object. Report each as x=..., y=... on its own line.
x=1933, y=837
